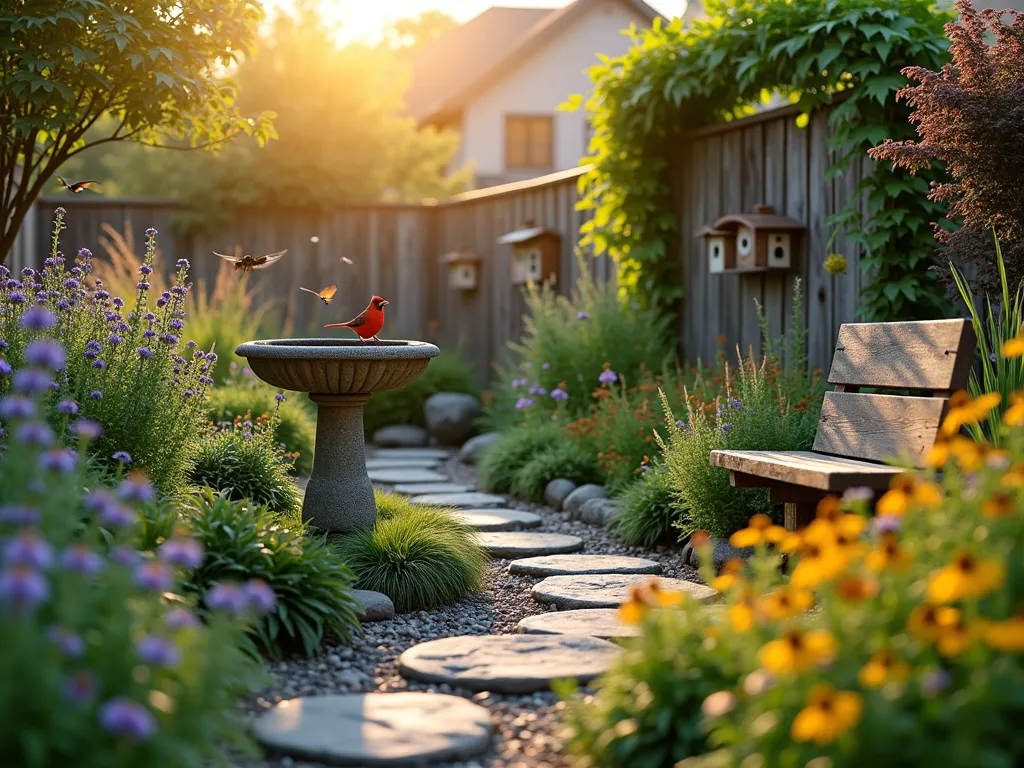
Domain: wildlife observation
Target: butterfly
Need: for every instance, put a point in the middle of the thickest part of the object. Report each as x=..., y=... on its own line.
x=325, y=295
x=248, y=263
x=77, y=186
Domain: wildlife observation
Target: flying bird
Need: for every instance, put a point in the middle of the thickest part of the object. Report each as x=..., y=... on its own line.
x=325, y=295
x=77, y=186
x=346, y=259
x=368, y=323
x=248, y=263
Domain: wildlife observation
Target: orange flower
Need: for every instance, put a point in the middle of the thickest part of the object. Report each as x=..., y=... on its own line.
x=856, y=589
x=889, y=555
x=1000, y=504
x=1014, y=477
x=965, y=576
x=829, y=509
x=741, y=613
x=828, y=715
x=884, y=667
x=643, y=597
x=964, y=411
x=817, y=565
x=1014, y=416
x=929, y=622
x=785, y=602
x=1013, y=347
x=927, y=494
x=760, y=530
x=732, y=574
x=968, y=454
x=1007, y=635
x=797, y=651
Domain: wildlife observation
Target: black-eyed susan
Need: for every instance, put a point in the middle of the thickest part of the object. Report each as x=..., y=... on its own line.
x=956, y=636
x=884, y=667
x=828, y=715
x=1014, y=416
x=635, y=608
x=927, y=494
x=968, y=454
x=760, y=530
x=999, y=504
x=785, y=602
x=1013, y=347
x=830, y=508
x=888, y=555
x=964, y=411
x=894, y=503
x=643, y=597
x=937, y=455
x=741, y=613
x=731, y=575
x=966, y=576
x=856, y=589
x=1013, y=477
x=1006, y=635
x=929, y=621
x=797, y=651
x=818, y=564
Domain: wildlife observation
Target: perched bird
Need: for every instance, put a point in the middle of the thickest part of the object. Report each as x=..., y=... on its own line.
x=248, y=263
x=325, y=295
x=369, y=322
x=77, y=186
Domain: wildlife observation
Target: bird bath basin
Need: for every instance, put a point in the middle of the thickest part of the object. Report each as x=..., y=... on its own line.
x=339, y=375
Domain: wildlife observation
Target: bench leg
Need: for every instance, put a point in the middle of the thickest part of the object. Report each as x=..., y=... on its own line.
x=799, y=514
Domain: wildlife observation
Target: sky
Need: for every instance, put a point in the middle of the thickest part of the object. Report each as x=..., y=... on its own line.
x=364, y=19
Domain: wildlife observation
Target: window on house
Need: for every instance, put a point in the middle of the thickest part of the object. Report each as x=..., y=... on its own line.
x=528, y=141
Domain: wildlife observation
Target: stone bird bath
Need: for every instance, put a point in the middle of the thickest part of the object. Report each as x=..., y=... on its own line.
x=339, y=375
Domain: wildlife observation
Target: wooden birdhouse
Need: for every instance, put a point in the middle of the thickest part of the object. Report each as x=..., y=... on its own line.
x=760, y=240
x=463, y=269
x=535, y=254
x=721, y=247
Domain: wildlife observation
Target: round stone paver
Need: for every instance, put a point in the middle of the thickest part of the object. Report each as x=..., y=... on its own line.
x=558, y=565
x=596, y=622
x=395, y=476
x=415, y=489
x=515, y=544
x=507, y=663
x=376, y=729
x=460, y=500
x=402, y=463
x=498, y=519
x=607, y=590
x=411, y=453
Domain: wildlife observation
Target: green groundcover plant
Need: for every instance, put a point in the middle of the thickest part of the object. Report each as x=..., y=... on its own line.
x=501, y=462
x=648, y=511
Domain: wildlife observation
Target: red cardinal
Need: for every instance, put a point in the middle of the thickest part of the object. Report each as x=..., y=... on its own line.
x=369, y=322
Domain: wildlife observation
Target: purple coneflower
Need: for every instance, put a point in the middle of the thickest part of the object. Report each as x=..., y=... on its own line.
x=608, y=376
x=23, y=587
x=80, y=559
x=182, y=552
x=559, y=394
x=124, y=717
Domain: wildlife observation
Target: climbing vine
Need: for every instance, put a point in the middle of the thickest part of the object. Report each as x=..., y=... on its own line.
x=843, y=54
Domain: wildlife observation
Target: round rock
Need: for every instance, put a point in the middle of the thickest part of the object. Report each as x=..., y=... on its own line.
x=373, y=606
x=513, y=544
x=376, y=729
x=596, y=622
x=498, y=519
x=376, y=463
x=607, y=590
x=401, y=436
x=408, y=475
x=411, y=453
x=558, y=565
x=507, y=663
x=460, y=500
x=415, y=489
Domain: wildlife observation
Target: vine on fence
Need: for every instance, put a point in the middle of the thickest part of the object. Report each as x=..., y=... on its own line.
x=846, y=53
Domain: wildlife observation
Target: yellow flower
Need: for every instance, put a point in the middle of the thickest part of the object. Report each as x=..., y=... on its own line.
x=884, y=667
x=1014, y=477
x=741, y=615
x=732, y=574
x=1000, y=504
x=963, y=411
x=817, y=565
x=966, y=576
x=829, y=509
x=642, y=597
x=1013, y=347
x=967, y=453
x=1014, y=416
x=929, y=622
x=889, y=555
x=796, y=651
x=937, y=455
x=956, y=637
x=927, y=494
x=635, y=608
x=828, y=715
x=1006, y=636
x=893, y=504
x=760, y=530
x=856, y=589
x=785, y=602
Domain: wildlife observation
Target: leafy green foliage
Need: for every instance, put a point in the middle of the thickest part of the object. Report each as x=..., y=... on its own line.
x=312, y=584
x=447, y=373
x=420, y=557
x=647, y=509
x=501, y=462
x=65, y=64
x=562, y=458
x=843, y=54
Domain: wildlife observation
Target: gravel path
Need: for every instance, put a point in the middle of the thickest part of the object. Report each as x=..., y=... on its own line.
x=527, y=725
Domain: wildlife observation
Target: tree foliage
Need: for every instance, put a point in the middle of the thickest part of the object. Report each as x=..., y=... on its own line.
x=65, y=64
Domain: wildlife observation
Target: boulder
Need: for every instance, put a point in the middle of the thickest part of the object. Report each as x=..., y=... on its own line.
x=721, y=551
x=401, y=436
x=450, y=416
x=574, y=501
x=373, y=606
x=472, y=448
x=556, y=492
x=598, y=511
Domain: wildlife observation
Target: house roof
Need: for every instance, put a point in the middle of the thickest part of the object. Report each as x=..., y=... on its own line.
x=456, y=68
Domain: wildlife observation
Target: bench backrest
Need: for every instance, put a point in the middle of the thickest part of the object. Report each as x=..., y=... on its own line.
x=934, y=356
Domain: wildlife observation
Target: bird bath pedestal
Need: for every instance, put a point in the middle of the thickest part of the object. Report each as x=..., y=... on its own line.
x=339, y=375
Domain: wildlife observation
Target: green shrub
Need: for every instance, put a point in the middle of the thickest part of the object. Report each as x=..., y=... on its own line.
x=499, y=464
x=562, y=458
x=312, y=584
x=245, y=462
x=446, y=373
x=647, y=509
x=420, y=557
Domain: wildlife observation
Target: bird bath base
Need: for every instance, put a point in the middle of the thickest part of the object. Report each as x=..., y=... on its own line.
x=339, y=495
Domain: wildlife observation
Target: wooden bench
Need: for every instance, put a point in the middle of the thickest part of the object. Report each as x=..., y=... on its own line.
x=858, y=431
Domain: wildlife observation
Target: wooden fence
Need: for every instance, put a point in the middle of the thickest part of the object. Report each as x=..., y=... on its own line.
x=397, y=248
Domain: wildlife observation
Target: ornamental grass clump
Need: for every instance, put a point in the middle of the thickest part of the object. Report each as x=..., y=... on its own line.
x=500, y=463
x=896, y=639
x=123, y=365
x=561, y=459
x=104, y=660
x=648, y=512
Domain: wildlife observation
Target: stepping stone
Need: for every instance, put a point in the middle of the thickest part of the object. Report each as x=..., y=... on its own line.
x=415, y=489
x=373, y=606
x=411, y=453
x=607, y=590
x=498, y=519
x=460, y=500
x=507, y=663
x=558, y=565
x=513, y=544
x=376, y=729
x=394, y=476
x=402, y=463
x=596, y=622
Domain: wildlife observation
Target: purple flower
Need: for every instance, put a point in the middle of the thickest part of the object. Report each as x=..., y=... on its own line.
x=114, y=339
x=17, y=407
x=935, y=682
x=145, y=352
x=111, y=512
x=246, y=372
x=99, y=364
x=58, y=460
x=608, y=376
x=582, y=316
x=517, y=383
x=122, y=457
x=96, y=395
x=734, y=403
x=154, y=575
x=68, y=406
x=545, y=366
x=37, y=318
x=15, y=514
x=886, y=524
x=537, y=390
x=175, y=325
x=181, y=618
x=28, y=272
x=70, y=644
x=260, y=596
x=30, y=549
x=559, y=394
x=81, y=559
x=5, y=367
x=93, y=345
x=524, y=403
x=145, y=269
x=79, y=688
x=72, y=283
x=87, y=429
x=124, y=717
x=191, y=344
x=189, y=393
x=280, y=397
x=84, y=253
x=183, y=552
x=34, y=433
x=101, y=295
x=3, y=345
x=179, y=290
x=23, y=587
x=151, y=232
x=118, y=302
x=681, y=424
x=149, y=334
x=858, y=493
x=17, y=297
x=227, y=596
x=182, y=264
x=91, y=354
x=157, y=651
x=125, y=556
x=136, y=487
x=31, y=380
x=724, y=427
x=169, y=339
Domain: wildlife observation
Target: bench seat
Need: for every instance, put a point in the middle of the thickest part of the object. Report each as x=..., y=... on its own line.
x=830, y=474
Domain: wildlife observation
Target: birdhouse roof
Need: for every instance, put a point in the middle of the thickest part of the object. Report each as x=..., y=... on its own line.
x=712, y=232
x=460, y=257
x=757, y=221
x=523, y=235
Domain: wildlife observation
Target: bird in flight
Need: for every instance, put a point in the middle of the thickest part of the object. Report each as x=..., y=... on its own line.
x=368, y=323
x=325, y=295
x=75, y=187
x=248, y=263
